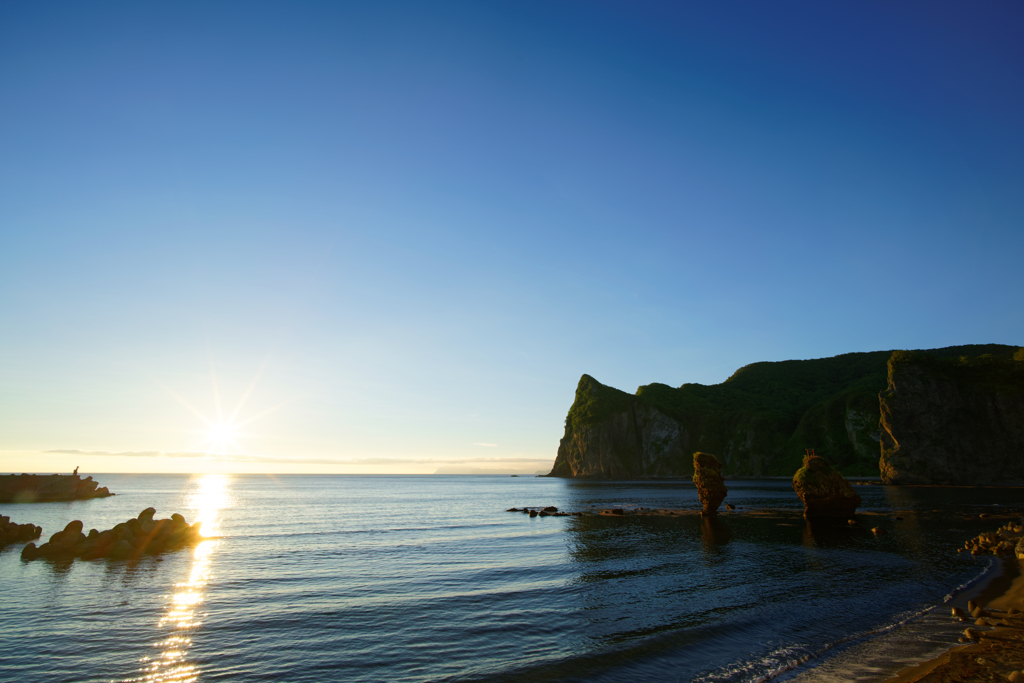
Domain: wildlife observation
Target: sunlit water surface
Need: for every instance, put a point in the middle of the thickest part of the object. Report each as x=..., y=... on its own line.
x=377, y=578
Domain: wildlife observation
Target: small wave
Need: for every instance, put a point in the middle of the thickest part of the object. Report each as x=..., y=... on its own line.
x=791, y=657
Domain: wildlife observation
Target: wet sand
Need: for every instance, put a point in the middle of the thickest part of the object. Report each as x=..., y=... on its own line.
x=996, y=657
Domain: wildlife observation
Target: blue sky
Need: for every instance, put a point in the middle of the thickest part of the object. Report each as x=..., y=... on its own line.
x=401, y=231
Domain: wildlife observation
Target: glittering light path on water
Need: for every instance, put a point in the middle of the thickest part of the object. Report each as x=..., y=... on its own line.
x=210, y=495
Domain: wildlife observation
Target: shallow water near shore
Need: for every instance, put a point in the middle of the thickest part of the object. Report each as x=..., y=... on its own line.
x=406, y=578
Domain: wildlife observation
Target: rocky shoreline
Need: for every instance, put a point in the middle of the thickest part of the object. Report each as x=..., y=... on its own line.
x=42, y=488
x=992, y=642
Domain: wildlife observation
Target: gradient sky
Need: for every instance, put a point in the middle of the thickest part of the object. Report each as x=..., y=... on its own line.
x=396, y=233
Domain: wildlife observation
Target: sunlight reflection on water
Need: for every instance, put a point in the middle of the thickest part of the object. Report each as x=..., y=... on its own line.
x=210, y=494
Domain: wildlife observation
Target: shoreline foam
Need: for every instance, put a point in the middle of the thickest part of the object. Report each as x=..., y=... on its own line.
x=1000, y=651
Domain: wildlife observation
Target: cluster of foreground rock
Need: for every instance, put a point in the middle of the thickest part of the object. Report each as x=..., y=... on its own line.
x=17, y=533
x=983, y=618
x=1007, y=540
x=549, y=511
x=129, y=539
x=41, y=488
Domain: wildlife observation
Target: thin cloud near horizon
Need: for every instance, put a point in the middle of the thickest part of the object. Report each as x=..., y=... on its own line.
x=298, y=461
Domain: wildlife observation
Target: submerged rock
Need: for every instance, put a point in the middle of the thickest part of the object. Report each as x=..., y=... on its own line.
x=126, y=540
x=707, y=475
x=823, y=491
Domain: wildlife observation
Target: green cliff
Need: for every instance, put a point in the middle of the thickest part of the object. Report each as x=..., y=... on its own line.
x=759, y=421
x=953, y=420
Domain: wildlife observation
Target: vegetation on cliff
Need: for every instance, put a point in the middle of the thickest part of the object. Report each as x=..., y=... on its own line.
x=759, y=420
x=953, y=419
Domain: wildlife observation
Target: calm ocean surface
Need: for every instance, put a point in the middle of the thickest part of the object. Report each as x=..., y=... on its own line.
x=427, y=578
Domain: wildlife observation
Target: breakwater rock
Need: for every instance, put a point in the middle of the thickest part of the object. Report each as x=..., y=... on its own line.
x=127, y=540
x=16, y=533
x=707, y=475
x=953, y=421
x=41, y=488
x=823, y=491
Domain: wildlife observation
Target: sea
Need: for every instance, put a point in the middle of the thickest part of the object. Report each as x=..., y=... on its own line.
x=429, y=578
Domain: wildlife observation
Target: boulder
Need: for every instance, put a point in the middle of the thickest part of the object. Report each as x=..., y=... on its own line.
x=823, y=491
x=707, y=475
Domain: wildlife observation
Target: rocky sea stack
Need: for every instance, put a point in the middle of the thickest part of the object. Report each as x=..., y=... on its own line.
x=707, y=475
x=823, y=491
x=16, y=533
x=42, y=488
x=127, y=540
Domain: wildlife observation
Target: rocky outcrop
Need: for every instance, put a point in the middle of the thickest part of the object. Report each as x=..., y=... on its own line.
x=16, y=533
x=127, y=540
x=823, y=491
x=707, y=475
x=41, y=488
x=758, y=422
x=953, y=421
x=1003, y=541
x=628, y=440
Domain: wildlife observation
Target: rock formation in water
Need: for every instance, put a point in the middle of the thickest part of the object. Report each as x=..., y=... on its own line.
x=953, y=420
x=823, y=491
x=758, y=422
x=16, y=533
x=41, y=488
x=707, y=475
x=127, y=540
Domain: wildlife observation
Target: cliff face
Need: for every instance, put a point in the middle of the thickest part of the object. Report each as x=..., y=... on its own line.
x=758, y=422
x=954, y=421
x=624, y=440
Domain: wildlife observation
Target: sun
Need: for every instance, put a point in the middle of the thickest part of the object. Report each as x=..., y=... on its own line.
x=221, y=435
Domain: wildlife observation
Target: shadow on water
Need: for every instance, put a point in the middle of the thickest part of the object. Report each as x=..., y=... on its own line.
x=714, y=533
